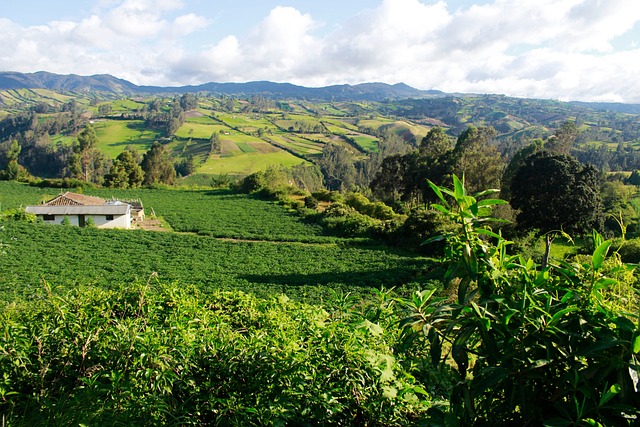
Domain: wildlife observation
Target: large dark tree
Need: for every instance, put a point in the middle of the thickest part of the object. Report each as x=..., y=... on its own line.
x=555, y=192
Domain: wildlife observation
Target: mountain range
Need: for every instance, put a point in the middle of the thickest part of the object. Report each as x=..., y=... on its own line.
x=109, y=84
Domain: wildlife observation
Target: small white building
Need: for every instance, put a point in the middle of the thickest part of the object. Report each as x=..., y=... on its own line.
x=79, y=209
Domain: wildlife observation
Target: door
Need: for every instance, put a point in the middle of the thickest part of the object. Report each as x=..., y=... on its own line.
x=81, y=221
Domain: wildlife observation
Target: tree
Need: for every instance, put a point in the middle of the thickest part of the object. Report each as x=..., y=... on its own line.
x=337, y=167
x=88, y=163
x=555, y=192
x=157, y=166
x=215, y=143
x=435, y=143
x=475, y=157
x=563, y=138
x=517, y=161
x=14, y=171
x=126, y=171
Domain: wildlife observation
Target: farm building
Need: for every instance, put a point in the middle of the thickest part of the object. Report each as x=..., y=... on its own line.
x=80, y=210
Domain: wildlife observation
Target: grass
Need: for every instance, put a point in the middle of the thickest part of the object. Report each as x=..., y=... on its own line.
x=115, y=135
x=199, y=130
x=246, y=148
x=367, y=143
x=247, y=163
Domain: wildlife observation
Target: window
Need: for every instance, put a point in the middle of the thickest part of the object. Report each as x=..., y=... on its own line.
x=109, y=217
x=48, y=217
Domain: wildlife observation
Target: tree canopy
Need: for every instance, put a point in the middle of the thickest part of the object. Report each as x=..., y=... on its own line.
x=556, y=192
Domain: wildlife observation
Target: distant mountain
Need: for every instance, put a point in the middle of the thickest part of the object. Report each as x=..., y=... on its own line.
x=611, y=106
x=62, y=83
x=109, y=84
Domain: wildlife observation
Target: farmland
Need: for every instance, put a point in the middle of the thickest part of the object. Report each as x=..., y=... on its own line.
x=67, y=256
x=291, y=257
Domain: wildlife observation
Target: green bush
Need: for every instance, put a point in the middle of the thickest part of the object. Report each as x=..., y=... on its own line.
x=343, y=220
x=531, y=345
x=310, y=202
x=327, y=196
x=629, y=250
x=171, y=355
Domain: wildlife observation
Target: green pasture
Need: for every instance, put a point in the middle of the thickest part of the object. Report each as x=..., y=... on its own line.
x=375, y=123
x=199, y=130
x=241, y=121
x=124, y=105
x=204, y=120
x=115, y=135
x=367, y=143
x=62, y=139
x=330, y=109
x=49, y=94
x=248, y=163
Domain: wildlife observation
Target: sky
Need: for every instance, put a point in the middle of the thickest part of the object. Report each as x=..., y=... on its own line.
x=586, y=50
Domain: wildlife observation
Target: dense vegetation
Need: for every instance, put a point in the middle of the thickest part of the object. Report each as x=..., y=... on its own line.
x=288, y=289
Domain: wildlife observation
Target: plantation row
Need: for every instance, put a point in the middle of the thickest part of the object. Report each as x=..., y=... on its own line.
x=68, y=256
x=212, y=213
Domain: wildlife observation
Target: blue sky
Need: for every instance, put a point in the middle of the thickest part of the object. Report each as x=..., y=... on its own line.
x=561, y=49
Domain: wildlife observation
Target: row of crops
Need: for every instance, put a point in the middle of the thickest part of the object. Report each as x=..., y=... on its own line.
x=66, y=256
x=216, y=213
x=291, y=256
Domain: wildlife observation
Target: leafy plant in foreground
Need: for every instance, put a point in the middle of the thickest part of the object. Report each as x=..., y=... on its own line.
x=534, y=346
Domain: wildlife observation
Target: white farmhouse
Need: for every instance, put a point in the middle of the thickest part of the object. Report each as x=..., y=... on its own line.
x=78, y=209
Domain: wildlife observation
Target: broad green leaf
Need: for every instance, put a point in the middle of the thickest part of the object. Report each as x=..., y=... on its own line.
x=433, y=239
x=437, y=190
x=441, y=208
x=488, y=233
x=458, y=187
x=610, y=394
x=486, y=193
x=604, y=283
x=636, y=344
x=561, y=313
x=600, y=254
x=488, y=202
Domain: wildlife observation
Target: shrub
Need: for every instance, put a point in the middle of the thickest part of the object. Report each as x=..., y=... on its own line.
x=327, y=196
x=343, y=220
x=531, y=346
x=170, y=355
x=310, y=202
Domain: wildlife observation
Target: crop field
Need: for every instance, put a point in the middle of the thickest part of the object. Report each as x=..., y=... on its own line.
x=66, y=256
x=246, y=123
x=296, y=144
x=238, y=163
x=115, y=135
x=223, y=240
x=213, y=213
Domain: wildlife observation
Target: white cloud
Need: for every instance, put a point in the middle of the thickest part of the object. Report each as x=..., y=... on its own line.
x=534, y=48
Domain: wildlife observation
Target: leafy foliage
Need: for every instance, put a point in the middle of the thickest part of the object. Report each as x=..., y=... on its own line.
x=531, y=346
x=163, y=354
x=556, y=192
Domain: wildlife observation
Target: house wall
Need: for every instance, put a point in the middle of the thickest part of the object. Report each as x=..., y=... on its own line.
x=118, y=221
